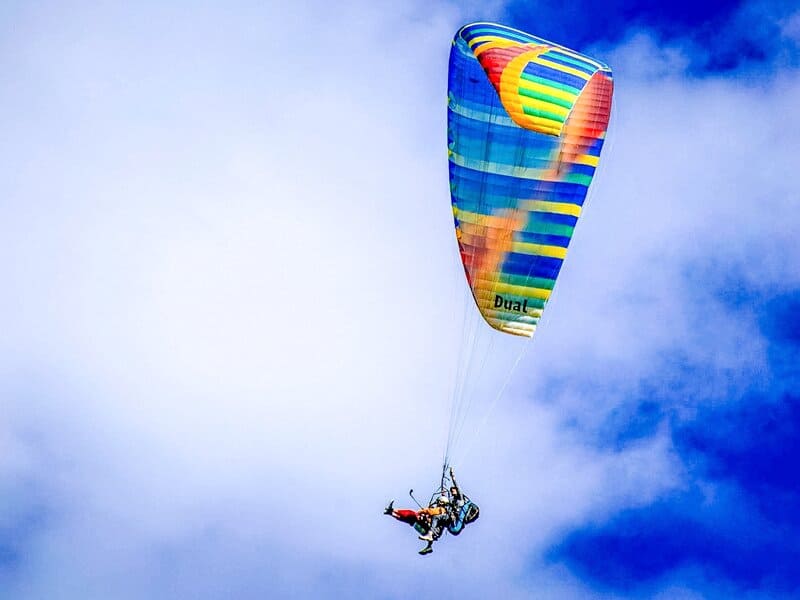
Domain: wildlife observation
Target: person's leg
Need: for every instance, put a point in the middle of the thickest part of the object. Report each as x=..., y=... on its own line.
x=432, y=533
x=405, y=515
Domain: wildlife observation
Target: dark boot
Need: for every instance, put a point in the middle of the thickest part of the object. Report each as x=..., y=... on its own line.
x=388, y=510
x=427, y=549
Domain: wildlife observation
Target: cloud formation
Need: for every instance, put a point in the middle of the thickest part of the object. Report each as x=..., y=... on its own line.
x=231, y=313
x=691, y=335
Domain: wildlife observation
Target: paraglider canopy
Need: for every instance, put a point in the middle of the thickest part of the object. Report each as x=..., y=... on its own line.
x=526, y=122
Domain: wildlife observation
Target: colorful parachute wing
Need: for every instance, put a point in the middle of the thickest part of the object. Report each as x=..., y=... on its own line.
x=526, y=123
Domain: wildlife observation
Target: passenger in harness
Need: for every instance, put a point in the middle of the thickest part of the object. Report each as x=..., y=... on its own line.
x=439, y=517
x=429, y=522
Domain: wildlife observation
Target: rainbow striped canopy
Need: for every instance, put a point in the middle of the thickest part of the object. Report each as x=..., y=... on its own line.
x=526, y=121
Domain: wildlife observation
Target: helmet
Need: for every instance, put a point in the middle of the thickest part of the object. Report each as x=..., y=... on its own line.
x=443, y=500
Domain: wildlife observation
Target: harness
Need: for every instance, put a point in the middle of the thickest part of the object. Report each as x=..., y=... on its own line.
x=468, y=513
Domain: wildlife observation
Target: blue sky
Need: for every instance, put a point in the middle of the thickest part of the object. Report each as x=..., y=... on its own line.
x=232, y=309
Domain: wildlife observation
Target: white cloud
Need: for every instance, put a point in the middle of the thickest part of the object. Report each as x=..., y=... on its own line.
x=231, y=316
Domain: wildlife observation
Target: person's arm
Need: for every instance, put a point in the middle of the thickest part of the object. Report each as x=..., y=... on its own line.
x=453, y=479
